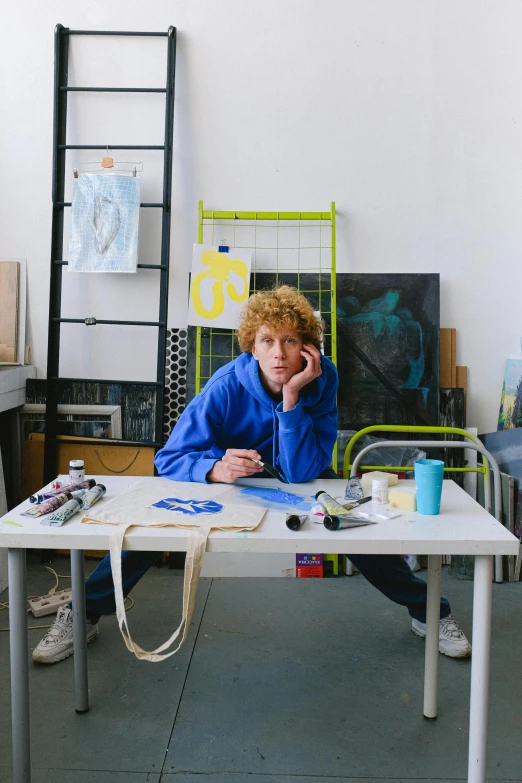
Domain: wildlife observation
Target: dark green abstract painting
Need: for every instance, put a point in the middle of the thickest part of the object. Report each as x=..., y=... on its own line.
x=388, y=349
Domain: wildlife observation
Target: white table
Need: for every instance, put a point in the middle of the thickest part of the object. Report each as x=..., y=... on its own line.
x=13, y=380
x=463, y=527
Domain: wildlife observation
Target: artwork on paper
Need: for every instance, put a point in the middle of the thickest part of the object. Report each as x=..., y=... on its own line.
x=388, y=349
x=219, y=286
x=104, y=223
x=506, y=448
x=191, y=507
x=510, y=413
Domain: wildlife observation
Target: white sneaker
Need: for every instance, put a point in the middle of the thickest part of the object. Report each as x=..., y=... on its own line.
x=57, y=643
x=452, y=641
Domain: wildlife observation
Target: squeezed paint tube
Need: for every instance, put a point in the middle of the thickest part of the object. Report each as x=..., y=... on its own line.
x=295, y=521
x=337, y=517
x=334, y=522
x=353, y=489
x=64, y=513
x=330, y=504
x=70, y=487
x=48, y=505
x=93, y=495
x=317, y=514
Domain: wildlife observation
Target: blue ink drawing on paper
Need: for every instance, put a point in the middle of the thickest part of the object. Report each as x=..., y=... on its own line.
x=190, y=507
x=105, y=223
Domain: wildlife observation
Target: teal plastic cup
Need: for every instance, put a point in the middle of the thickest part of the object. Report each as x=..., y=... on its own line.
x=429, y=474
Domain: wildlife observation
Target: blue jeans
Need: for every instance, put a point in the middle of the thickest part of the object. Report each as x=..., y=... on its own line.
x=388, y=573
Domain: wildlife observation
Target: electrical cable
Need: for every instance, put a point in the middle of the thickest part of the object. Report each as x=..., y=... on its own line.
x=5, y=605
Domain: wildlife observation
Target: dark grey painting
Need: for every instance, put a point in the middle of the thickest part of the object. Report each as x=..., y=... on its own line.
x=138, y=402
x=452, y=415
x=388, y=349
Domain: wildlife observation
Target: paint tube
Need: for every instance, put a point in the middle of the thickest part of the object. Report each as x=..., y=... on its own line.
x=330, y=505
x=48, y=505
x=294, y=522
x=70, y=487
x=334, y=522
x=337, y=517
x=93, y=495
x=317, y=514
x=353, y=489
x=64, y=513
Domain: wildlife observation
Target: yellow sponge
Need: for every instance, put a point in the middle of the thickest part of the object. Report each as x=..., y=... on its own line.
x=367, y=478
x=404, y=498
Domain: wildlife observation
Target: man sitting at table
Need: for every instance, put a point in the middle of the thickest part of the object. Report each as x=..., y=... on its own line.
x=275, y=403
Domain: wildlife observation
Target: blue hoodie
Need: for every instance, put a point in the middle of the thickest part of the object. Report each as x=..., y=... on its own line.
x=235, y=412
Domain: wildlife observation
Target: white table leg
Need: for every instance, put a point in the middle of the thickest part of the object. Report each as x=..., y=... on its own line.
x=81, y=685
x=19, y=665
x=478, y=708
x=431, y=659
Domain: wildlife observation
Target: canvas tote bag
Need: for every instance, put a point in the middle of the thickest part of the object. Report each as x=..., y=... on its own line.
x=132, y=509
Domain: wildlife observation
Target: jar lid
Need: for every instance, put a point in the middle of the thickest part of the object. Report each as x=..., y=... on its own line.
x=76, y=463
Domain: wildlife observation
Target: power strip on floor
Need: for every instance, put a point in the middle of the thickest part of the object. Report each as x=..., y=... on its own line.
x=49, y=604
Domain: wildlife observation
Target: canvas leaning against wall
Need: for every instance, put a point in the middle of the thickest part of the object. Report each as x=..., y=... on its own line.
x=510, y=413
x=388, y=349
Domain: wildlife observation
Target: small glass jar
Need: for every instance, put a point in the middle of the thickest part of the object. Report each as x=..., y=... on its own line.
x=77, y=470
x=380, y=491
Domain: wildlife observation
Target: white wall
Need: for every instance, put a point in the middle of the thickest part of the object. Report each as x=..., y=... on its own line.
x=407, y=113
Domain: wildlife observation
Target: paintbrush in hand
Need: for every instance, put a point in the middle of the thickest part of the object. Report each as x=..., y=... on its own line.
x=269, y=469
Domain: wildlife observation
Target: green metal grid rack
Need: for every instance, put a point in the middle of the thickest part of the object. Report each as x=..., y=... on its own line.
x=297, y=248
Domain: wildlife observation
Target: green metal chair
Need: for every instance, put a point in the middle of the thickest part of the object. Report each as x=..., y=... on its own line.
x=475, y=443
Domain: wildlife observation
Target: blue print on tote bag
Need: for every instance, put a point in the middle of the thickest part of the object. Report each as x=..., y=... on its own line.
x=190, y=507
x=104, y=223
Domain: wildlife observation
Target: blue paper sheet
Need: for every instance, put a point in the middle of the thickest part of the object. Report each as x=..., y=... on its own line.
x=278, y=499
x=104, y=223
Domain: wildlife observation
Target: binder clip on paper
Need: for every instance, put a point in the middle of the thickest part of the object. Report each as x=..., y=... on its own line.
x=222, y=248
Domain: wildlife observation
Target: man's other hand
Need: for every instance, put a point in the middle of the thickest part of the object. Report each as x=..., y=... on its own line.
x=235, y=463
x=312, y=369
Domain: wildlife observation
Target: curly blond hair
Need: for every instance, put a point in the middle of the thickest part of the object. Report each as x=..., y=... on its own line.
x=281, y=307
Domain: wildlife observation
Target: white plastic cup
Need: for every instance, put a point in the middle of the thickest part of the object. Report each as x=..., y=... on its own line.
x=380, y=491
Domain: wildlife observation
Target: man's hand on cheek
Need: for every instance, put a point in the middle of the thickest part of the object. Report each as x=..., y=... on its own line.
x=235, y=463
x=311, y=370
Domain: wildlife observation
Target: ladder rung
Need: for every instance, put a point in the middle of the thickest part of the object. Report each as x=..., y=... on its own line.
x=152, y=266
x=110, y=32
x=106, y=322
x=111, y=146
x=113, y=89
x=140, y=266
x=152, y=204
x=60, y=379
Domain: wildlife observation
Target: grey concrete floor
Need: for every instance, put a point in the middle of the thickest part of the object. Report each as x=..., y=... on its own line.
x=280, y=681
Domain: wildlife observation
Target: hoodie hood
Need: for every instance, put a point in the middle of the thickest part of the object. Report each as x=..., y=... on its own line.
x=247, y=372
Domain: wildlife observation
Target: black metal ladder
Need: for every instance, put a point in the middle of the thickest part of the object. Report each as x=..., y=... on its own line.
x=60, y=147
